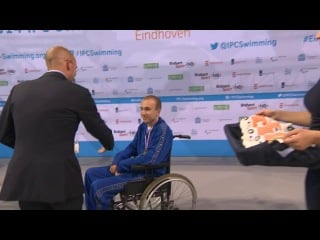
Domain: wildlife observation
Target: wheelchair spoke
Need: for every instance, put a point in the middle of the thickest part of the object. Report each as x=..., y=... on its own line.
x=175, y=192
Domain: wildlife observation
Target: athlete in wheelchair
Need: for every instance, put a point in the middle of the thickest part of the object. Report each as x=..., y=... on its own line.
x=170, y=191
x=151, y=146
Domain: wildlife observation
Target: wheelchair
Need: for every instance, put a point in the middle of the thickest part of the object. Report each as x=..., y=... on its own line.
x=171, y=191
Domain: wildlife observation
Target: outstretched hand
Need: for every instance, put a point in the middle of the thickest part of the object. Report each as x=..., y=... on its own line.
x=102, y=150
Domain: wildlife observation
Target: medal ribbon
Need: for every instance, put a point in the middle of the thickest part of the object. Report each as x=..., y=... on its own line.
x=147, y=139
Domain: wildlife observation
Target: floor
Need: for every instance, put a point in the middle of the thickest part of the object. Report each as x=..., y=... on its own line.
x=224, y=184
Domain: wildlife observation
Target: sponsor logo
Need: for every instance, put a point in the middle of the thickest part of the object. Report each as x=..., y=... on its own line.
x=11, y=71
x=207, y=63
x=118, y=121
x=194, y=132
x=4, y=83
x=221, y=107
x=257, y=86
x=26, y=70
x=106, y=68
x=196, y=88
x=175, y=77
x=85, y=68
x=249, y=106
x=210, y=131
x=238, y=87
x=150, y=65
x=301, y=57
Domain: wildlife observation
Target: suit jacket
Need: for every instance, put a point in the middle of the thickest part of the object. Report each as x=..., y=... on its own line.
x=40, y=120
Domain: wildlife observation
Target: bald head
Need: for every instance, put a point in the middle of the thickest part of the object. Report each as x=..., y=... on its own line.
x=60, y=58
x=56, y=55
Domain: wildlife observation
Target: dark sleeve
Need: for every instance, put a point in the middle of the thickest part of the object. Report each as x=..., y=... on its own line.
x=7, y=133
x=93, y=122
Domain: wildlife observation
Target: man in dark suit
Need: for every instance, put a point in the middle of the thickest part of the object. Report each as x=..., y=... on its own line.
x=39, y=121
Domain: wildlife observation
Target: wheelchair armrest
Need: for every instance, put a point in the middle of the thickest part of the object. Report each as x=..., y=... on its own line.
x=143, y=167
x=182, y=136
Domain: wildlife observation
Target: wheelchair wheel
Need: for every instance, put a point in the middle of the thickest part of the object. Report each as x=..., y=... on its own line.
x=169, y=192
